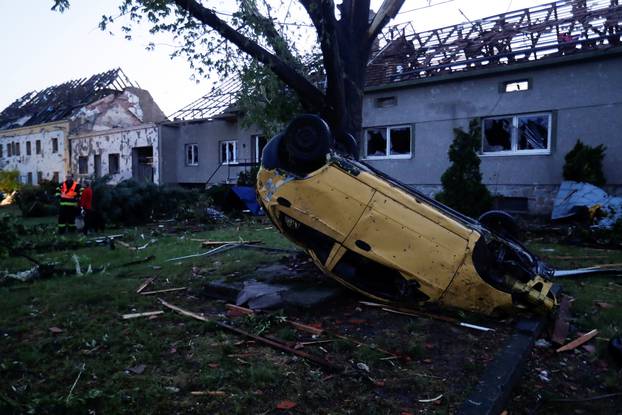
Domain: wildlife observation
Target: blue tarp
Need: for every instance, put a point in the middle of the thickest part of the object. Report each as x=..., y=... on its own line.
x=248, y=196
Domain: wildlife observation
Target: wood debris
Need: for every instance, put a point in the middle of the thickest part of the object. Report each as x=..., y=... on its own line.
x=438, y=398
x=207, y=242
x=259, y=339
x=168, y=290
x=579, y=341
x=305, y=327
x=237, y=311
x=137, y=315
x=144, y=284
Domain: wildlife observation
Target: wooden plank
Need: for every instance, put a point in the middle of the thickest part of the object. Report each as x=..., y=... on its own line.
x=578, y=341
x=168, y=290
x=144, y=284
x=137, y=315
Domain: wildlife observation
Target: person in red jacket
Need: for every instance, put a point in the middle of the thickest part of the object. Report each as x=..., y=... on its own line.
x=68, y=193
x=86, y=204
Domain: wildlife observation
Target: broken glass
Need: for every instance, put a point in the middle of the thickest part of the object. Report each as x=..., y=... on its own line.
x=533, y=132
x=497, y=135
x=376, y=142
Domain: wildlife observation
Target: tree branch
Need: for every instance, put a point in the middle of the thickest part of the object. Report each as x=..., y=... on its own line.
x=311, y=97
x=388, y=10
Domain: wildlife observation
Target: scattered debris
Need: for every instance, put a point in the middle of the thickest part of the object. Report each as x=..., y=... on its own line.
x=168, y=290
x=438, y=398
x=316, y=331
x=55, y=330
x=285, y=405
x=137, y=370
x=75, y=382
x=562, y=326
x=542, y=344
x=208, y=393
x=145, y=284
x=604, y=305
x=221, y=248
x=579, y=341
x=573, y=198
x=363, y=366
x=544, y=376
x=266, y=341
x=139, y=261
x=137, y=315
x=208, y=243
x=237, y=311
x=23, y=276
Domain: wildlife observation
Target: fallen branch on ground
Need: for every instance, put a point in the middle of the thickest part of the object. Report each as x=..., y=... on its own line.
x=260, y=339
x=139, y=261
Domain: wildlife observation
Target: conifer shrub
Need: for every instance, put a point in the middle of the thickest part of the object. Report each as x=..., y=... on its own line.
x=463, y=189
x=584, y=164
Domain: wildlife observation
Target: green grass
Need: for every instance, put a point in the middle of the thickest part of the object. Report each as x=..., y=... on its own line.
x=181, y=355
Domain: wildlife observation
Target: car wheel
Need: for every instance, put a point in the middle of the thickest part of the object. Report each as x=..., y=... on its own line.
x=306, y=142
x=501, y=223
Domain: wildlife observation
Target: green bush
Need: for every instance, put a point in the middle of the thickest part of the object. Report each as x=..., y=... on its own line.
x=248, y=177
x=37, y=201
x=133, y=203
x=585, y=164
x=9, y=181
x=462, y=181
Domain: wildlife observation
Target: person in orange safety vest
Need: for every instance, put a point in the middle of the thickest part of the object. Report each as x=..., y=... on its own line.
x=69, y=194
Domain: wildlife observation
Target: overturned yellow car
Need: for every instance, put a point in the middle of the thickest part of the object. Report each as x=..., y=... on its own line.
x=386, y=240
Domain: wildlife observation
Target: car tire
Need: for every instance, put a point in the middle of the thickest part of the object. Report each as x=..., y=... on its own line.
x=501, y=223
x=306, y=142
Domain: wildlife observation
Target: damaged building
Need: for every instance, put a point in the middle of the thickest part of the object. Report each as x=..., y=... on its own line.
x=206, y=143
x=91, y=127
x=536, y=79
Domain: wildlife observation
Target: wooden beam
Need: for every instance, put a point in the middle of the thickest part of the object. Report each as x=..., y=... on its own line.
x=387, y=11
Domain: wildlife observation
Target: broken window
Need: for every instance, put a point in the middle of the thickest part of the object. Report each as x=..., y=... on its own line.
x=518, y=134
x=192, y=154
x=388, y=142
x=38, y=147
x=113, y=163
x=28, y=148
x=17, y=151
x=229, y=152
x=259, y=142
x=516, y=86
x=83, y=165
x=39, y=177
x=54, y=145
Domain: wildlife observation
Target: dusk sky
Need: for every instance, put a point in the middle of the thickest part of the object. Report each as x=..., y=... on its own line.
x=41, y=48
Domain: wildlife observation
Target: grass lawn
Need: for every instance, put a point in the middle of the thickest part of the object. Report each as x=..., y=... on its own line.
x=65, y=349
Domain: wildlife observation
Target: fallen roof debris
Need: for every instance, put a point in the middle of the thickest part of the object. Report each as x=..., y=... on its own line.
x=168, y=290
x=145, y=284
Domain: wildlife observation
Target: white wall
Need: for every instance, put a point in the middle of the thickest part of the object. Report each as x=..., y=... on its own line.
x=121, y=142
x=47, y=162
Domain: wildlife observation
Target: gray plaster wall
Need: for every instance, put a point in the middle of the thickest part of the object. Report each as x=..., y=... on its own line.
x=207, y=134
x=584, y=98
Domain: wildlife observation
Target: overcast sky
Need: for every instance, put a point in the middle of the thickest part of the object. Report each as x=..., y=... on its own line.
x=40, y=48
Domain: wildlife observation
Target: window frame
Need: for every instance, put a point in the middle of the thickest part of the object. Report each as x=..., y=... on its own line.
x=388, y=155
x=514, y=151
x=83, y=161
x=195, y=154
x=256, y=138
x=38, y=147
x=235, y=152
x=504, y=85
x=118, y=157
x=54, y=145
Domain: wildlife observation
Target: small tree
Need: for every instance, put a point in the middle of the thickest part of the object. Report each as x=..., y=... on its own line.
x=9, y=181
x=585, y=164
x=462, y=181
